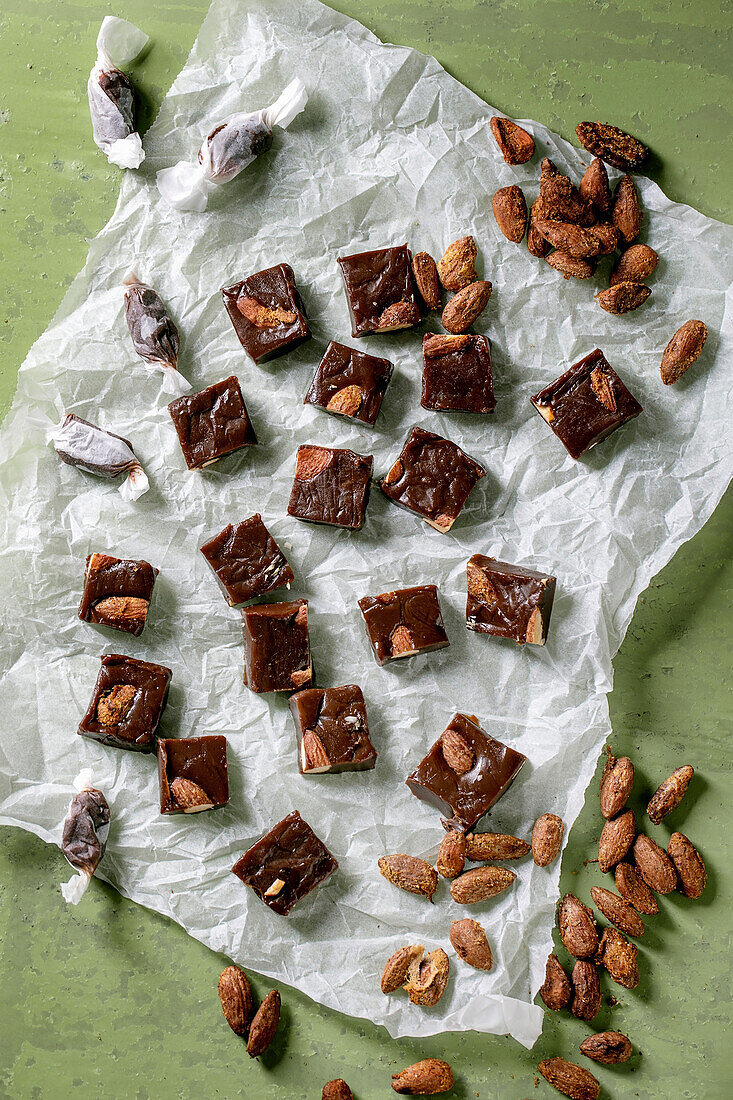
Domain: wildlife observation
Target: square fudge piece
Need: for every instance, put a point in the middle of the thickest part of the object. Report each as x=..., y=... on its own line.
x=432, y=478
x=277, y=654
x=333, y=735
x=117, y=592
x=349, y=383
x=286, y=864
x=465, y=772
x=586, y=404
x=193, y=774
x=379, y=290
x=267, y=313
x=403, y=623
x=331, y=486
x=457, y=374
x=508, y=600
x=246, y=561
x=212, y=423
x=127, y=703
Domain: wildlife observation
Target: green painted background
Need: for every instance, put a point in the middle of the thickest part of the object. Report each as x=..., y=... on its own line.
x=110, y=1001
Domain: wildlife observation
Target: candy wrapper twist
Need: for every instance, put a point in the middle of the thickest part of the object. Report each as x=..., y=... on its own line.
x=153, y=333
x=111, y=95
x=84, y=835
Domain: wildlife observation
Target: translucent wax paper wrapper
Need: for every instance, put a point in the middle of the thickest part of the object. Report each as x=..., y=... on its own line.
x=153, y=333
x=111, y=95
x=392, y=149
x=84, y=835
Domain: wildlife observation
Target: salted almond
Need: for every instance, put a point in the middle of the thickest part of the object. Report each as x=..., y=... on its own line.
x=654, y=865
x=594, y=186
x=608, y=237
x=235, y=995
x=607, y=1047
x=451, y=854
x=536, y=243
x=427, y=978
x=561, y=201
x=515, y=144
x=616, y=839
x=456, y=269
x=570, y=266
x=310, y=462
x=471, y=944
x=619, y=958
x=457, y=751
x=556, y=990
x=346, y=401
x=425, y=275
x=577, y=928
x=263, y=316
x=682, y=350
x=618, y=911
x=613, y=145
x=569, y=238
x=409, y=873
x=337, y=1090
x=397, y=316
x=264, y=1025
x=466, y=306
x=394, y=974
x=586, y=1002
x=480, y=884
x=115, y=704
x=482, y=846
x=669, y=794
x=623, y=297
x=616, y=784
x=510, y=210
x=626, y=214
x=189, y=796
x=571, y=1080
x=426, y=1078
x=688, y=865
x=633, y=889
x=634, y=265
x=547, y=837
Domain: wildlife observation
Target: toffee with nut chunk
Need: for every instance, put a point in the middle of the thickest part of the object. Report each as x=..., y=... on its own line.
x=246, y=561
x=457, y=374
x=379, y=290
x=331, y=486
x=332, y=729
x=267, y=313
x=127, y=703
x=508, y=601
x=433, y=478
x=404, y=622
x=349, y=383
x=192, y=773
x=212, y=423
x=117, y=592
x=277, y=654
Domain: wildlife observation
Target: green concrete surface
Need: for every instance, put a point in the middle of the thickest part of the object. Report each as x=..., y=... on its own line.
x=112, y=1002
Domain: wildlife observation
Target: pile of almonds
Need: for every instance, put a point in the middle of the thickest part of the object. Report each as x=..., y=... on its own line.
x=237, y=1004
x=454, y=272
x=653, y=871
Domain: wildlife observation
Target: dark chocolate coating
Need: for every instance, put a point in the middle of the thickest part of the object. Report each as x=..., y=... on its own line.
x=80, y=843
x=233, y=145
x=200, y=760
x=457, y=374
x=275, y=289
x=291, y=852
x=331, y=486
x=246, y=561
x=276, y=646
x=154, y=335
x=146, y=684
x=76, y=451
x=349, y=383
x=586, y=404
x=403, y=623
x=374, y=281
x=432, y=477
x=464, y=799
x=503, y=598
x=117, y=121
x=107, y=577
x=333, y=734
x=212, y=423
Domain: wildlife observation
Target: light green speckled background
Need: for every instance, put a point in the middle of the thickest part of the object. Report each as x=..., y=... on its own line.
x=112, y=1002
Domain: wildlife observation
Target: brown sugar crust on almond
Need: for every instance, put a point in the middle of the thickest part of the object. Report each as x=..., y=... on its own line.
x=634, y=265
x=456, y=268
x=623, y=297
x=515, y=144
x=594, y=186
x=682, y=350
x=611, y=144
x=425, y=275
x=510, y=211
x=115, y=704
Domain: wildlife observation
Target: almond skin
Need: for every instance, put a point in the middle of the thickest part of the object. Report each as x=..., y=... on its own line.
x=594, y=186
x=577, y=242
x=395, y=972
x=682, y=351
x=556, y=990
x=427, y=978
x=425, y=276
x=623, y=297
x=634, y=265
x=337, y=1090
x=456, y=268
x=569, y=266
x=426, y=1078
x=607, y=1047
x=457, y=752
x=654, y=865
x=409, y=873
x=626, y=214
x=633, y=889
x=397, y=316
x=688, y=864
x=264, y=1025
x=510, y=210
x=669, y=794
x=480, y=884
x=619, y=958
x=615, y=146
x=571, y=1080
x=617, y=836
x=547, y=837
x=586, y=1002
x=471, y=944
x=515, y=144
x=483, y=846
x=536, y=243
x=451, y=854
x=189, y=796
x=618, y=911
x=235, y=995
x=616, y=784
x=577, y=928
x=466, y=306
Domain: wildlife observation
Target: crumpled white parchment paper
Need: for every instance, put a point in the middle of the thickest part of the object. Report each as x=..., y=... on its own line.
x=390, y=148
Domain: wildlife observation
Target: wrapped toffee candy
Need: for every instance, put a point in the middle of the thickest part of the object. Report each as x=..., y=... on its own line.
x=85, y=835
x=228, y=149
x=154, y=335
x=82, y=444
x=111, y=95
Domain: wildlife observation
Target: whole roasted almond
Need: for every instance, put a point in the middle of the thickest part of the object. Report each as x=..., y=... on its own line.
x=397, y=316
x=682, y=350
x=571, y=1080
x=586, y=1002
x=451, y=854
x=618, y=911
x=623, y=297
x=394, y=974
x=427, y=978
x=483, y=846
x=337, y=1090
x=346, y=401
x=607, y=236
x=619, y=958
x=189, y=796
x=457, y=752
x=471, y=944
x=561, y=201
x=264, y=1025
x=607, y=1047
x=633, y=889
x=236, y=999
x=572, y=239
x=425, y=274
x=127, y=612
x=547, y=837
x=669, y=794
x=634, y=265
x=594, y=186
x=410, y=873
x=547, y=169
x=615, y=146
x=426, y=1078
x=115, y=704
x=515, y=144
x=456, y=268
x=688, y=864
x=481, y=883
x=556, y=990
x=626, y=214
x=310, y=462
x=569, y=266
x=466, y=306
x=577, y=928
x=654, y=865
x=510, y=211
x=616, y=784
x=263, y=316
x=616, y=838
